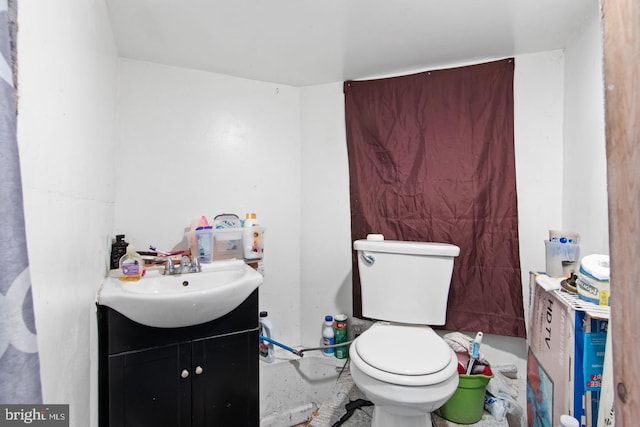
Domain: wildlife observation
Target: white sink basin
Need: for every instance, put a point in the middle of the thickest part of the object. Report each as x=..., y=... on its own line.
x=182, y=299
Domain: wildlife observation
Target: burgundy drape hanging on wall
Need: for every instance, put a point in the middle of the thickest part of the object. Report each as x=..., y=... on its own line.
x=431, y=158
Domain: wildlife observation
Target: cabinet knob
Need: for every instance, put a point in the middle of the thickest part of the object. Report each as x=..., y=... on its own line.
x=184, y=373
x=199, y=370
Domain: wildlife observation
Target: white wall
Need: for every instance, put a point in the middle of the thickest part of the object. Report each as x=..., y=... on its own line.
x=326, y=214
x=538, y=127
x=584, y=194
x=195, y=143
x=66, y=134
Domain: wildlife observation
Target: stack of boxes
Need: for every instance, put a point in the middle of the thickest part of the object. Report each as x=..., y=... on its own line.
x=567, y=337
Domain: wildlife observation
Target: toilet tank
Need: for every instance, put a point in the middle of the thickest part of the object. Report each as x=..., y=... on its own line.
x=405, y=282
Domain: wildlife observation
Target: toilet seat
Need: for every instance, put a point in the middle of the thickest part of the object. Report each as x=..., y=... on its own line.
x=404, y=355
x=404, y=350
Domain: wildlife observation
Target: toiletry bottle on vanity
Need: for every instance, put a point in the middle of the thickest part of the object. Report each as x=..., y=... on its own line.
x=252, y=238
x=131, y=266
x=204, y=243
x=118, y=250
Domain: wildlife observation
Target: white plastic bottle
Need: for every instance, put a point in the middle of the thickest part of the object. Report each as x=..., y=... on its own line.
x=328, y=336
x=495, y=406
x=250, y=220
x=266, y=329
x=252, y=238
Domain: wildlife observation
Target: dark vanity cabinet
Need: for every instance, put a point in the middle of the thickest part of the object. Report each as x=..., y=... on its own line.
x=203, y=375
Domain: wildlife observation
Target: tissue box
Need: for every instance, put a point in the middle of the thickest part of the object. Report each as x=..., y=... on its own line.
x=565, y=357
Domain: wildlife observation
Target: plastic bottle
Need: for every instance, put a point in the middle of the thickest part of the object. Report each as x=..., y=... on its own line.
x=252, y=246
x=204, y=243
x=495, y=406
x=118, y=250
x=131, y=266
x=328, y=336
x=266, y=329
x=250, y=220
x=340, y=335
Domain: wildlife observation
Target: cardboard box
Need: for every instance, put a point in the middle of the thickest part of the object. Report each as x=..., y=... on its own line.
x=565, y=357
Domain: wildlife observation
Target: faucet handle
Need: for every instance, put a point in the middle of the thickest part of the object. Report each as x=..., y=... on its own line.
x=195, y=265
x=169, y=268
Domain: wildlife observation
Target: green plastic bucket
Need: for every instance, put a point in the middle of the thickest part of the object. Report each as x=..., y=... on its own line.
x=467, y=403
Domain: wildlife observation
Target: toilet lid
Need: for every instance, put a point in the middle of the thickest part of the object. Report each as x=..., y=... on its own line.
x=403, y=350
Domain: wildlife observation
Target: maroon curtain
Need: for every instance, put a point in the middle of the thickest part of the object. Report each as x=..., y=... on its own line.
x=431, y=158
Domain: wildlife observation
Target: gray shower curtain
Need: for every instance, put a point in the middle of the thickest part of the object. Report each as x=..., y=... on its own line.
x=19, y=361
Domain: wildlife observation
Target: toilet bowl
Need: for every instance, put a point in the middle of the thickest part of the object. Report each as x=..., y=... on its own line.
x=407, y=371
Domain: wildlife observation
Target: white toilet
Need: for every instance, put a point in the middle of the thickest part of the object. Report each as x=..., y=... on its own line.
x=400, y=363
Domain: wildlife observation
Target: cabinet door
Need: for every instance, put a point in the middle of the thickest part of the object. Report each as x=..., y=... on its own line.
x=225, y=392
x=151, y=387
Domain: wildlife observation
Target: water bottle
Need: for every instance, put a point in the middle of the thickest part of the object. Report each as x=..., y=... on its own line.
x=266, y=329
x=327, y=335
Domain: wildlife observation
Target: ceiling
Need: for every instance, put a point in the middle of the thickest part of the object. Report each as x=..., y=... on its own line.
x=304, y=42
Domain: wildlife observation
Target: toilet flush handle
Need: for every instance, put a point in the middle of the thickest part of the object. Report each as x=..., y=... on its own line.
x=367, y=258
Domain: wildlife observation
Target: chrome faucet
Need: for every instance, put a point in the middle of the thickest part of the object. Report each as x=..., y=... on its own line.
x=186, y=266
